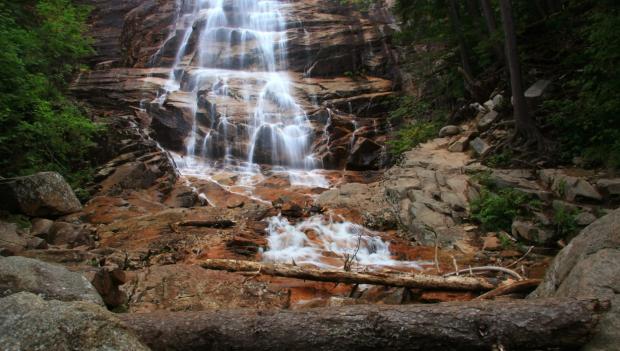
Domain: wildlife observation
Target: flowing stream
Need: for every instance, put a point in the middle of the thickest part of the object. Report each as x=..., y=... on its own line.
x=231, y=67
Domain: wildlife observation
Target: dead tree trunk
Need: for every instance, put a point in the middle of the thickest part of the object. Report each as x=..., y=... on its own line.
x=490, y=325
x=525, y=124
x=420, y=281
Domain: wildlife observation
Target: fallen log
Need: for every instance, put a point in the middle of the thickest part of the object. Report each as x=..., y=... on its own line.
x=478, y=325
x=407, y=280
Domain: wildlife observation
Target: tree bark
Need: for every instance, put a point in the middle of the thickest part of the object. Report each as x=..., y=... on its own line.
x=525, y=124
x=420, y=281
x=488, y=325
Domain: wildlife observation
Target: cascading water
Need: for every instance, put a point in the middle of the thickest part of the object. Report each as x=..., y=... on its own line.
x=230, y=66
x=243, y=42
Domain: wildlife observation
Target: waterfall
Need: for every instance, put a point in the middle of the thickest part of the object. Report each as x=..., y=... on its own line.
x=230, y=65
x=231, y=61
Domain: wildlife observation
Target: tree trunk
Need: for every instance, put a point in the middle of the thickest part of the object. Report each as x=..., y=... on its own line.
x=525, y=124
x=491, y=24
x=458, y=31
x=488, y=325
x=420, y=281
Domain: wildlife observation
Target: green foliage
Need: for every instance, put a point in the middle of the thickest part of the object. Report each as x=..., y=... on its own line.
x=413, y=135
x=496, y=210
x=40, y=128
x=421, y=123
x=585, y=113
x=564, y=220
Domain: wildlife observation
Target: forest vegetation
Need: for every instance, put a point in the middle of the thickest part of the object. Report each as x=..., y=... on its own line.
x=41, y=127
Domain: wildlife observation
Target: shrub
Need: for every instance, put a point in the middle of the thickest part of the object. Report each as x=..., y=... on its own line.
x=496, y=210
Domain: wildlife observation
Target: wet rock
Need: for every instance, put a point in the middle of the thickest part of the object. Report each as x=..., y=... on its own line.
x=480, y=146
x=30, y=323
x=530, y=232
x=449, y=131
x=365, y=155
x=132, y=175
x=588, y=267
x=72, y=235
x=11, y=241
x=47, y=280
x=44, y=194
x=487, y=120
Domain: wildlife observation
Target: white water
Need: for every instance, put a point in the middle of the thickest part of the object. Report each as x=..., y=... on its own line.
x=316, y=240
x=243, y=42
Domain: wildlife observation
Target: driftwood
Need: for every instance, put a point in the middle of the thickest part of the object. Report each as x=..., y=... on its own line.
x=220, y=224
x=408, y=280
x=524, y=286
x=477, y=325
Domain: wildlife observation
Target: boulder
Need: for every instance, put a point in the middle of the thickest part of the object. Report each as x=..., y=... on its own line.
x=460, y=145
x=449, y=131
x=480, y=146
x=63, y=233
x=588, y=266
x=41, y=227
x=44, y=194
x=487, y=120
x=107, y=281
x=45, y=279
x=530, y=232
x=537, y=90
x=10, y=239
x=609, y=187
x=28, y=322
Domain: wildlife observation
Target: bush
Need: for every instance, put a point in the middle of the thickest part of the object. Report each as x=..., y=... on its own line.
x=564, y=220
x=496, y=210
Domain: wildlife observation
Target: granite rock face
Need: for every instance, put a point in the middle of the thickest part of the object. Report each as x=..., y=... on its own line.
x=47, y=280
x=30, y=323
x=588, y=267
x=341, y=65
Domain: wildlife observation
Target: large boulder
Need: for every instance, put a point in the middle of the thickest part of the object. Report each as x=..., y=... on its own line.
x=45, y=194
x=30, y=323
x=48, y=280
x=588, y=267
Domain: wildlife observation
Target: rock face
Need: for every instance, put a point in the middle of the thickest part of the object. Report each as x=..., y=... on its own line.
x=50, y=281
x=30, y=323
x=39, y=195
x=588, y=266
